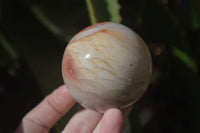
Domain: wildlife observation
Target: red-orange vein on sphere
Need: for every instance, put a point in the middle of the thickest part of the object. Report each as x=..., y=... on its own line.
x=69, y=69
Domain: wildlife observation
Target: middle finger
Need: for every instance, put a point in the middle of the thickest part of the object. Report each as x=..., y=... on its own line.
x=84, y=121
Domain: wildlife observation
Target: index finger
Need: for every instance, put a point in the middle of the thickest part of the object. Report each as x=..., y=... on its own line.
x=50, y=110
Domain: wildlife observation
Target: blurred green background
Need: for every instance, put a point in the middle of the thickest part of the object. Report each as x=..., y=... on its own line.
x=34, y=34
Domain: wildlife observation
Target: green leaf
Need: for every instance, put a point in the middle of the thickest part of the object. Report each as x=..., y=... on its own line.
x=7, y=47
x=38, y=13
x=185, y=58
x=114, y=10
x=62, y=18
x=103, y=10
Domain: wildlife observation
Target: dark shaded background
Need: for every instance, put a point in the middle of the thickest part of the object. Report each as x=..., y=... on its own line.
x=34, y=34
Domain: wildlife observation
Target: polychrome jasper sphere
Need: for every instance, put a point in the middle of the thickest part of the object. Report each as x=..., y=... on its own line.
x=106, y=65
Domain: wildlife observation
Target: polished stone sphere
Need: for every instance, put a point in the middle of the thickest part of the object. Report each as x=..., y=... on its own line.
x=106, y=65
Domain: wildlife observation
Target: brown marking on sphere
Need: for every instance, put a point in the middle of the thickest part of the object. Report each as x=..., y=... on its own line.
x=68, y=67
x=110, y=33
x=114, y=35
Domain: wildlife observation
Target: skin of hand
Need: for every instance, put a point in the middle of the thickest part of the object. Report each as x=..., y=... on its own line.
x=42, y=118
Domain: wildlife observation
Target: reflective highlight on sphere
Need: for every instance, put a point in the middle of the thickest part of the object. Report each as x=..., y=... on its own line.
x=106, y=65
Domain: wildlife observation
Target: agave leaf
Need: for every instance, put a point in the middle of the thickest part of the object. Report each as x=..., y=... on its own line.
x=114, y=10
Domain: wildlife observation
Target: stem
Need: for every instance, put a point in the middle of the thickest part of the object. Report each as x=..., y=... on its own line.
x=91, y=11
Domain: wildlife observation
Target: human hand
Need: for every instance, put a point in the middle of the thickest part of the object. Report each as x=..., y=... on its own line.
x=42, y=118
